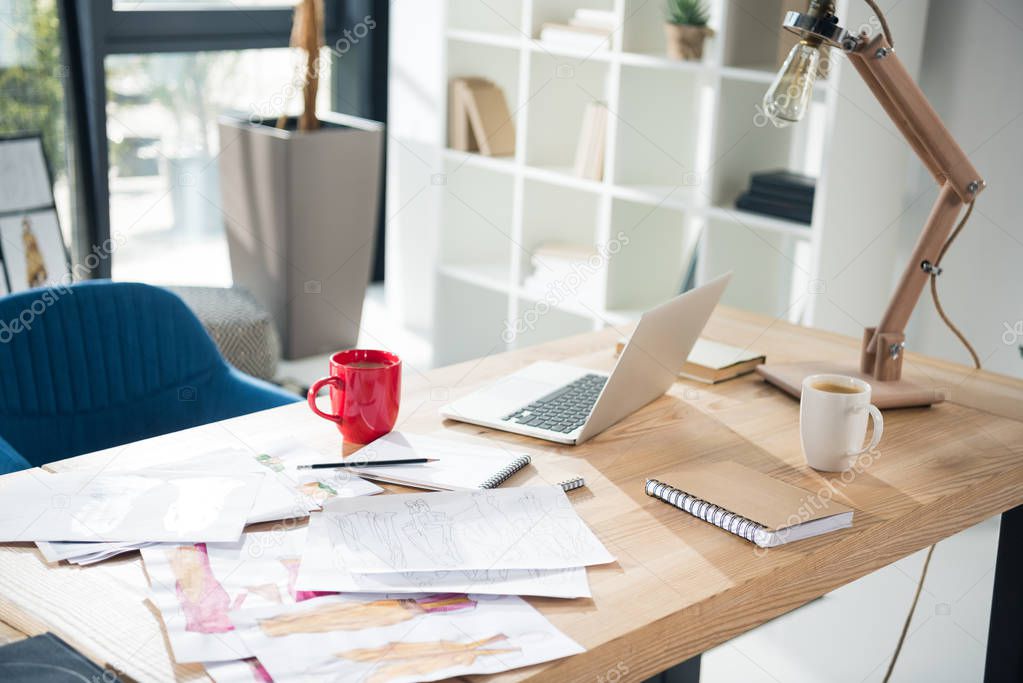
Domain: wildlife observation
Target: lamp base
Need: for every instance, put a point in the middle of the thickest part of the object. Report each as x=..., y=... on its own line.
x=896, y=394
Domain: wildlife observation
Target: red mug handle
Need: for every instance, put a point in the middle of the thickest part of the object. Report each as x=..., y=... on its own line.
x=315, y=389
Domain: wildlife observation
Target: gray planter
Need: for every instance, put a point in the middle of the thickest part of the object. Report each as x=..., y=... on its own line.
x=300, y=210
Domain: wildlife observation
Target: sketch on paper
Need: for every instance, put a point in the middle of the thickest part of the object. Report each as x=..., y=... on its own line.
x=197, y=587
x=380, y=639
x=322, y=569
x=350, y=616
x=400, y=659
x=521, y=528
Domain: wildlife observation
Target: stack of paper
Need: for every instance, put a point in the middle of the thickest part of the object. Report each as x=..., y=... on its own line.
x=428, y=579
x=523, y=541
x=237, y=486
x=587, y=29
x=562, y=271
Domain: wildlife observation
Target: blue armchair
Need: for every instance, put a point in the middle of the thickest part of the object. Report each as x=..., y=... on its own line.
x=100, y=363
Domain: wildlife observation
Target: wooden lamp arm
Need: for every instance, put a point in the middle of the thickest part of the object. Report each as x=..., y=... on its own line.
x=907, y=106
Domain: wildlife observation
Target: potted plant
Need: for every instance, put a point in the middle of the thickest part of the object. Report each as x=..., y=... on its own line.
x=686, y=29
x=301, y=197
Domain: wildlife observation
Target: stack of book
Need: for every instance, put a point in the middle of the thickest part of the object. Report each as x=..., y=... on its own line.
x=564, y=271
x=588, y=29
x=479, y=119
x=782, y=194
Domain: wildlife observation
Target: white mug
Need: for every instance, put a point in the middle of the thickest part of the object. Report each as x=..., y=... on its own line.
x=833, y=412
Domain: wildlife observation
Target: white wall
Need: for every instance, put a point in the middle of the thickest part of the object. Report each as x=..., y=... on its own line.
x=973, y=73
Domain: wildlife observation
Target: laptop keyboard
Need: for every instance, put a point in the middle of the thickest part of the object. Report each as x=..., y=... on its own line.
x=564, y=409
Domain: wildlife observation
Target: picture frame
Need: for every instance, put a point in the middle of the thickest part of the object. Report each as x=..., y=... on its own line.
x=32, y=248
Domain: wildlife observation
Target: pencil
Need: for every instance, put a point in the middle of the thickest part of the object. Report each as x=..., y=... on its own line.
x=367, y=463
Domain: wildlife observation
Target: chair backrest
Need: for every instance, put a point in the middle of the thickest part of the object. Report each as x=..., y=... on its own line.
x=10, y=459
x=100, y=363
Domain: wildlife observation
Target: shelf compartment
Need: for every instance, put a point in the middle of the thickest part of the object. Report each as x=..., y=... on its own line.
x=754, y=34
x=502, y=17
x=655, y=142
x=655, y=249
x=560, y=88
x=539, y=321
x=560, y=11
x=764, y=266
x=497, y=64
x=477, y=218
x=746, y=141
x=643, y=29
x=471, y=321
x=552, y=213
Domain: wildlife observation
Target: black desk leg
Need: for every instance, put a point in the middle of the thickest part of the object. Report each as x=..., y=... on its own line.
x=686, y=672
x=1005, y=635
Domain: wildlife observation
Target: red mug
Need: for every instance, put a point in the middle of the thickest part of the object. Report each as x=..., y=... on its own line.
x=365, y=389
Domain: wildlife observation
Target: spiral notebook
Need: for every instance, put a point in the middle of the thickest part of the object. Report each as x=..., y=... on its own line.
x=749, y=504
x=461, y=465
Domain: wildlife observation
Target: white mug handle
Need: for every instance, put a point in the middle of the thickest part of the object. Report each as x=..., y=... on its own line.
x=878, y=429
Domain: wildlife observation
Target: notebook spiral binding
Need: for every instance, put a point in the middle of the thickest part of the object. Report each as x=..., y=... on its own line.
x=705, y=510
x=503, y=476
x=572, y=484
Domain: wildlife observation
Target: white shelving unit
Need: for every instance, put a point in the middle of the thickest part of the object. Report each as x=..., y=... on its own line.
x=682, y=141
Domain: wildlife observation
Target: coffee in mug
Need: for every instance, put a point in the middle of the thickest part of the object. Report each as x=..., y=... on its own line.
x=833, y=412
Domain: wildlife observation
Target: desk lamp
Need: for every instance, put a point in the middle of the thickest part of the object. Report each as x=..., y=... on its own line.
x=884, y=73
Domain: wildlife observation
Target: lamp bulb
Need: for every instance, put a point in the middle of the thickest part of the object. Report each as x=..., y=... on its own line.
x=786, y=100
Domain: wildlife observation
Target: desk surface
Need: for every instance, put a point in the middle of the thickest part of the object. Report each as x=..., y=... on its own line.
x=680, y=586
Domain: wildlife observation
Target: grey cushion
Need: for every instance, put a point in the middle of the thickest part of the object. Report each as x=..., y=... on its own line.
x=240, y=327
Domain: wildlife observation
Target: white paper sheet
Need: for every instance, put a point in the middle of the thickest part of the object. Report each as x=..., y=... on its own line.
x=531, y=527
x=279, y=457
x=128, y=507
x=55, y=551
x=381, y=639
x=285, y=493
x=195, y=587
x=321, y=571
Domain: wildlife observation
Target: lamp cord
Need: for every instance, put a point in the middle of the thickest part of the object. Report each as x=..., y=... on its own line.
x=909, y=617
x=884, y=22
x=976, y=364
x=934, y=287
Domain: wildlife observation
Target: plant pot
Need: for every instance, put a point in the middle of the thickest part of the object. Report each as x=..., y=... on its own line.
x=300, y=211
x=686, y=42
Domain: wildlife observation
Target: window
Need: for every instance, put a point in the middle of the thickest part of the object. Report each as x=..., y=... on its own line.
x=154, y=77
x=162, y=144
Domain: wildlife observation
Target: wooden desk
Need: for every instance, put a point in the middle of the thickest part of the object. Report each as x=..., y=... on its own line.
x=680, y=586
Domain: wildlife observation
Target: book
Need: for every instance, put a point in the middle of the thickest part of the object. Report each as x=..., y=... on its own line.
x=48, y=659
x=479, y=118
x=589, y=151
x=461, y=466
x=579, y=37
x=596, y=18
x=752, y=505
x=711, y=362
x=775, y=208
x=787, y=185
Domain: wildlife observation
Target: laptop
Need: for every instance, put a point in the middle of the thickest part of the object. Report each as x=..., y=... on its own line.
x=568, y=404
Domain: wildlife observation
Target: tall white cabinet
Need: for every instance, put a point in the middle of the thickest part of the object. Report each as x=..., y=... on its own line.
x=682, y=141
